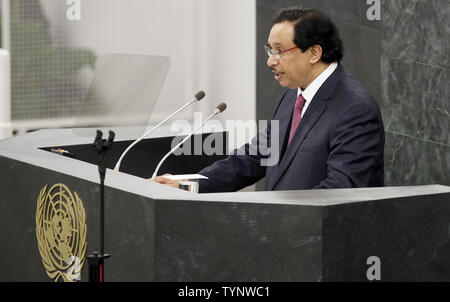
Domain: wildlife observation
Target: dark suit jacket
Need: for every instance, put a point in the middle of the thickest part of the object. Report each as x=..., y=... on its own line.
x=338, y=144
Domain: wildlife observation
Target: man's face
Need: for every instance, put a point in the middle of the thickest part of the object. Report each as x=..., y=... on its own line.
x=293, y=69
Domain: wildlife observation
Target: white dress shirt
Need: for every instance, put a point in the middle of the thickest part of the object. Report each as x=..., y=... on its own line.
x=311, y=90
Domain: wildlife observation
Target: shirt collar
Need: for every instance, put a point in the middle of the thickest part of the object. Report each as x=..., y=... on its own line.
x=311, y=90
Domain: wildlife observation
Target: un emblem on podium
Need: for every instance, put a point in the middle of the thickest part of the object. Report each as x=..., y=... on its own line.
x=61, y=232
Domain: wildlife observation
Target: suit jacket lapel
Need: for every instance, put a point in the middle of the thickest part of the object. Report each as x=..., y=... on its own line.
x=314, y=111
x=284, y=118
x=312, y=114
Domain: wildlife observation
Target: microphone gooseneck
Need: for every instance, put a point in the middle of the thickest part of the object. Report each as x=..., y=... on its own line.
x=219, y=109
x=197, y=97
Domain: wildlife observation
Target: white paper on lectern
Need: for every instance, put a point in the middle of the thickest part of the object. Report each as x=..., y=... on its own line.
x=185, y=176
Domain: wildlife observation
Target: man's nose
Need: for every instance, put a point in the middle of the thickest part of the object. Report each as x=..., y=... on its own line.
x=271, y=61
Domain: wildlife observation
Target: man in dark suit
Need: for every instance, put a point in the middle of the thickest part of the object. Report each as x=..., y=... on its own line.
x=330, y=132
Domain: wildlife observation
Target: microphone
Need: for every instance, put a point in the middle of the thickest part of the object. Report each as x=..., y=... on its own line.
x=219, y=109
x=197, y=97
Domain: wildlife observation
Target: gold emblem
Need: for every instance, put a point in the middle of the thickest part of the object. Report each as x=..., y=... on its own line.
x=61, y=232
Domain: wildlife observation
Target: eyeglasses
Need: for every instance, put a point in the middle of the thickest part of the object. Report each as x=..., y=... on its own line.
x=276, y=53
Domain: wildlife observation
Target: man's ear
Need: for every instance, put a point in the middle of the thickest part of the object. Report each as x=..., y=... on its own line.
x=316, y=54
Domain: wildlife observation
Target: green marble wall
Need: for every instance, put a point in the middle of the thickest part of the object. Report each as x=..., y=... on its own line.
x=415, y=85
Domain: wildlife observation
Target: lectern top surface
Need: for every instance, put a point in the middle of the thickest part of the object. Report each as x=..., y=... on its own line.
x=25, y=148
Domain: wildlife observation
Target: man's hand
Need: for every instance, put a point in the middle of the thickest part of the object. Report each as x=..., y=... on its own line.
x=166, y=181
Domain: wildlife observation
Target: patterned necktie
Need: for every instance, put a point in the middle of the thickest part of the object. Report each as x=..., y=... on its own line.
x=296, y=115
